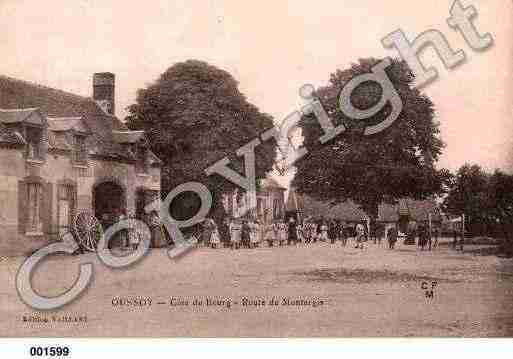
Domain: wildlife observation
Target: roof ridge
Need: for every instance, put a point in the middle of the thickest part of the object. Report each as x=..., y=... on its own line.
x=44, y=87
x=19, y=109
x=61, y=118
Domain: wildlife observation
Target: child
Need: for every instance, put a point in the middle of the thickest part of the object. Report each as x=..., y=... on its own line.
x=392, y=237
x=360, y=235
x=275, y=232
x=332, y=232
x=283, y=233
x=300, y=233
x=254, y=230
x=269, y=234
x=133, y=237
x=343, y=234
x=235, y=233
x=292, y=232
x=245, y=234
x=324, y=232
x=215, y=239
x=314, y=229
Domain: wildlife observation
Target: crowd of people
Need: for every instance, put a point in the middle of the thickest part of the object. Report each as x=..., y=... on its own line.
x=131, y=237
x=239, y=233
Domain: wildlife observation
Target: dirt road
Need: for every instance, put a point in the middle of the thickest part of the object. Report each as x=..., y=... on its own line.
x=316, y=290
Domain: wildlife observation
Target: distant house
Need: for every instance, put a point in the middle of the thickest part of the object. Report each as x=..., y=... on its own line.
x=405, y=211
x=61, y=153
x=270, y=202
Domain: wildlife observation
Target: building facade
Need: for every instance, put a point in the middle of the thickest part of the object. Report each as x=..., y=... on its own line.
x=61, y=154
x=270, y=202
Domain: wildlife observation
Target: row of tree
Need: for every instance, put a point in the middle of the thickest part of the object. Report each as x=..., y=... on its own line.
x=485, y=198
x=195, y=115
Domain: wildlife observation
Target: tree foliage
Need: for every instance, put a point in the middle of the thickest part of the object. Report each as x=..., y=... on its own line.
x=398, y=162
x=468, y=192
x=485, y=199
x=195, y=115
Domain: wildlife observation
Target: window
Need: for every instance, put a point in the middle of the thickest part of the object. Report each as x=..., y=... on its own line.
x=66, y=207
x=80, y=149
x=34, y=201
x=34, y=143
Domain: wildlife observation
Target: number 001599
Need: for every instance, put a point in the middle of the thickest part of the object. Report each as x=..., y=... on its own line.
x=49, y=351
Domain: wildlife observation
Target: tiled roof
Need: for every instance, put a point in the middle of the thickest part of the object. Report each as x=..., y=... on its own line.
x=15, y=115
x=127, y=136
x=17, y=94
x=67, y=123
x=271, y=183
x=350, y=211
x=347, y=211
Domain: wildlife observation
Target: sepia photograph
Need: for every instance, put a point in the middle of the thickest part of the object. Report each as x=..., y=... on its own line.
x=228, y=169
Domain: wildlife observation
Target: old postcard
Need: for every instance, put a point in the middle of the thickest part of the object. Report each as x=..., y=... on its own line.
x=256, y=169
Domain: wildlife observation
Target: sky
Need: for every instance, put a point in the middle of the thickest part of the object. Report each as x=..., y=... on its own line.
x=272, y=48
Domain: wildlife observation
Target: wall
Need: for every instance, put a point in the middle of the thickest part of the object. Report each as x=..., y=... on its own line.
x=58, y=168
x=11, y=169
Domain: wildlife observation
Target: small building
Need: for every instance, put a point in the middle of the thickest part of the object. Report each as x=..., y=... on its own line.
x=270, y=202
x=402, y=214
x=61, y=154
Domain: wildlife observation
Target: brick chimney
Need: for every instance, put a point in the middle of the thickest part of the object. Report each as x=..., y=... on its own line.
x=104, y=84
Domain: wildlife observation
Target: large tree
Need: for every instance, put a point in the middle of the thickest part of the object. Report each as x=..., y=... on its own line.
x=195, y=115
x=398, y=162
x=468, y=194
x=485, y=199
x=500, y=206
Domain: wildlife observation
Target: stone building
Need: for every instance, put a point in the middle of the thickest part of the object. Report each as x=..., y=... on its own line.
x=61, y=153
x=270, y=202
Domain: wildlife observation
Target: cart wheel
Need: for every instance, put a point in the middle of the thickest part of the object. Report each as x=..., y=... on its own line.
x=88, y=230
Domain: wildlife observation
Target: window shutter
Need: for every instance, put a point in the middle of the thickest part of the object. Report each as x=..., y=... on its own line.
x=46, y=208
x=22, y=207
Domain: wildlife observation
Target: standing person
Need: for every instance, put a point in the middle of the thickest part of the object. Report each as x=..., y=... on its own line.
x=455, y=238
x=312, y=229
x=283, y=233
x=245, y=234
x=429, y=242
x=392, y=237
x=360, y=235
x=269, y=234
x=120, y=215
x=380, y=231
x=235, y=233
x=292, y=232
x=437, y=233
x=324, y=232
x=275, y=233
x=215, y=239
x=373, y=231
x=157, y=237
x=332, y=231
x=208, y=229
x=306, y=231
x=133, y=235
x=300, y=232
x=318, y=230
x=254, y=233
x=462, y=235
x=224, y=232
x=343, y=234
x=422, y=237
